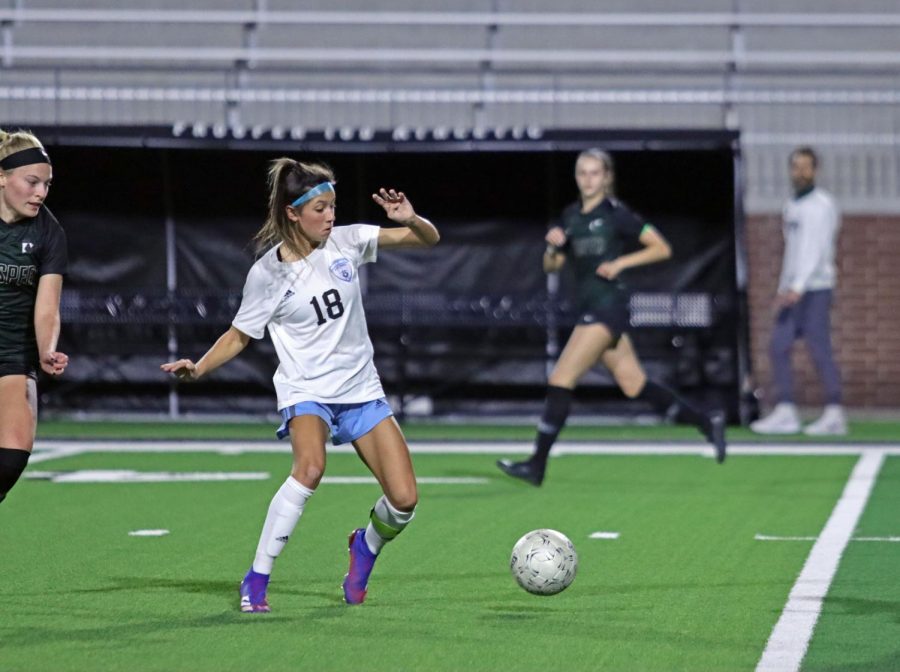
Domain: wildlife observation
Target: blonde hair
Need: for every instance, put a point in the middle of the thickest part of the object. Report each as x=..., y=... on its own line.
x=288, y=180
x=10, y=143
x=606, y=160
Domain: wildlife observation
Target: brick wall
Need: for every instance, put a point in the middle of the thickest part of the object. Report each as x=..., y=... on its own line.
x=865, y=316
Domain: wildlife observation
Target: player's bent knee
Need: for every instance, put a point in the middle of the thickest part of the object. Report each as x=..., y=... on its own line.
x=630, y=388
x=404, y=500
x=309, y=475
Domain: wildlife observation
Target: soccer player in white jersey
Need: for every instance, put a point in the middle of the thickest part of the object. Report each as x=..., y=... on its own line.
x=305, y=290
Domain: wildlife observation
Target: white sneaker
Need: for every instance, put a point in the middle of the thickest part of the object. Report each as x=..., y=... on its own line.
x=784, y=419
x=832, y=423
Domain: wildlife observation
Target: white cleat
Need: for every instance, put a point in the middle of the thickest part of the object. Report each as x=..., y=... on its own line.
x=833, y=422
x=784, y=419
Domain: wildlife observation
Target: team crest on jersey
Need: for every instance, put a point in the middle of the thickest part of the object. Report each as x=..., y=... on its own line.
x=342, y=270
x=27, y=247
x=595, y=224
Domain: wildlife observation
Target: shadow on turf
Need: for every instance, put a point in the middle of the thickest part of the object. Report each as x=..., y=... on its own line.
x=889, y=662
x=178, y=585
x=855, y=606
x=228, y=590
x=225, y=589
x=118, y=634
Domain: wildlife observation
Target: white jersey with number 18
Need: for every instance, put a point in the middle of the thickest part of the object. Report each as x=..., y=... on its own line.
x=313, y=310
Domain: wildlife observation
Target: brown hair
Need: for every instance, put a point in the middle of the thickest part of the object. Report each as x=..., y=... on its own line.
x=808, y=152
x=10, y=143
x=288, y=180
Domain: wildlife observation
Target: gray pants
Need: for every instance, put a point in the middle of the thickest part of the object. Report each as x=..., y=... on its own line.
x=808, y=319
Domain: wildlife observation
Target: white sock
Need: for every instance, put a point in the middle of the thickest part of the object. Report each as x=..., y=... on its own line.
x=284, y=512
x=385, y=523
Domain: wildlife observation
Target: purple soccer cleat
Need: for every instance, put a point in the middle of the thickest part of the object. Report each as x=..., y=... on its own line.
x=253, y=593
x=362, y=560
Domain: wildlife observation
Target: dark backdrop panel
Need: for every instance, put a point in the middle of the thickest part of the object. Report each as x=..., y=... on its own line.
x=466, y=323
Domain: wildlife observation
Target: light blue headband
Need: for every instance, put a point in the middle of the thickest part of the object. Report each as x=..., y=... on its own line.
x=312, y=193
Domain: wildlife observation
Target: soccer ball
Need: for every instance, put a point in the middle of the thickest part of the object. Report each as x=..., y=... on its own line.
x=544, y=562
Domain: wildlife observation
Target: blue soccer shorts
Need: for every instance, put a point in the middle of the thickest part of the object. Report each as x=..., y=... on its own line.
x=347, y=422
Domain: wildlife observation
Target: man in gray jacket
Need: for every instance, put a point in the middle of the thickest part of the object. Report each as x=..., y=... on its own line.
x=811, y=223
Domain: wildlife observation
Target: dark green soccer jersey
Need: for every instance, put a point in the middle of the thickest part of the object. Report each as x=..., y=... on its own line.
x=595, y=237
x=29, y=249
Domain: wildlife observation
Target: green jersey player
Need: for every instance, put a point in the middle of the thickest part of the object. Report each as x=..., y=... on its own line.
x=595, y=234
x=33, y=261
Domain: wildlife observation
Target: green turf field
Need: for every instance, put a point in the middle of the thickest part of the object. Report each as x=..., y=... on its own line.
x=686, y=586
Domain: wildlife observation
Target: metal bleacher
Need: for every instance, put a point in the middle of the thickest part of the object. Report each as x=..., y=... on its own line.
x=783, y=72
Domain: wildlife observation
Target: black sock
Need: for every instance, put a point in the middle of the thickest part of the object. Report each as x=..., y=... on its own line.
x=556, y=410
x=12, y=464
x=664, y=400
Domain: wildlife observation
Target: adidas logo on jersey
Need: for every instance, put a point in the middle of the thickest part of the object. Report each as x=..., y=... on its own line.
x=288, y=294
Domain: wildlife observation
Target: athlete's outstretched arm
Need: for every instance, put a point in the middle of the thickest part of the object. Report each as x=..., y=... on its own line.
x=46, y=324
x=415, y=232
x=656, y=248
x=223, y=350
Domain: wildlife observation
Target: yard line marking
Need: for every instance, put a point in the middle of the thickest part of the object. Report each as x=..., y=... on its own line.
x=790, y=638
x=148, y=533
x=238, y=447
x=603, y=535
x=767, y=537
x=41, y=454
x=131, y=476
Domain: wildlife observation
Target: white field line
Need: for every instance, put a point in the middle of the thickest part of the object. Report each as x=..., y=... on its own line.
x=54, y=453
x=767, y=537
x=148, y=533
x=58, y=446
x=603, y=535
x=790, y=638
x=131, y=476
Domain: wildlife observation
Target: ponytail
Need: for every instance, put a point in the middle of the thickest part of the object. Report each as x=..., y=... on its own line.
x=288, y=180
